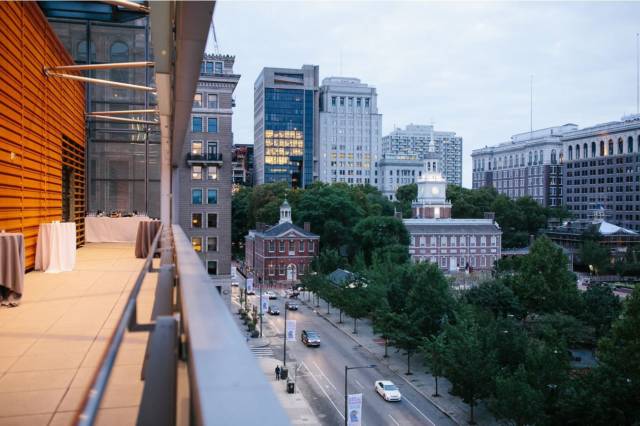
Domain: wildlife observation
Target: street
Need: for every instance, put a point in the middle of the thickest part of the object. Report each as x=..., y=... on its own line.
x=320, y=372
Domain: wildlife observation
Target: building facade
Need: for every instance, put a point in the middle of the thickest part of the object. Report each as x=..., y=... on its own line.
x=453, y=244
x=422, y=141
x=395, y=171
x=528, y=165
x=281, y=253
x=286, y=125
x=350, y=131
x=242, y=161
x=204, y=177
x=602, y=167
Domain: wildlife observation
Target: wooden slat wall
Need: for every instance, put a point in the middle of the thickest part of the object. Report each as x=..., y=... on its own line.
x=36, y=114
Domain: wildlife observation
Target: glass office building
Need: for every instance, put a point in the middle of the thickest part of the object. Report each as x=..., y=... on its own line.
x=286, y=126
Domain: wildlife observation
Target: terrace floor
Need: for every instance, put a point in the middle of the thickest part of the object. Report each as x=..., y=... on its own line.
x=51, y=344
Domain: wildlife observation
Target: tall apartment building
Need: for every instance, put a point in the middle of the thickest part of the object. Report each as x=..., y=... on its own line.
x=602, y=167
x=421, y=141
x=242, y=161
x=204, y=177
x=395, y=171
x=286, y=125
x=529, y=164
x=350, y=131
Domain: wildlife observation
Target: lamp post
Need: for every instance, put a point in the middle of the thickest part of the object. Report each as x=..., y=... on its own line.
x=284, y=358
x=346, y=372
x=260, y=284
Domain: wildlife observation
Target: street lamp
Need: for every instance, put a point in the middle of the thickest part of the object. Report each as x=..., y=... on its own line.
x=260, y=284
x=346, y=371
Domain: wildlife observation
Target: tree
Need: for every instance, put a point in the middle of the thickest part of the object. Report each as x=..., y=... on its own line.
x=496, y=297
x=240, y=219
x=601, y=308
x=378, y=232
x=516, y=400
x=429, y=300
x=404, y=334
x=358, y=295
x=383, y=325
x=595, y=256
x=405, y=195
x=434, y=350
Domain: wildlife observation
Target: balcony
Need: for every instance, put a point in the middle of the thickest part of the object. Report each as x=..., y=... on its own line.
x=204, y=159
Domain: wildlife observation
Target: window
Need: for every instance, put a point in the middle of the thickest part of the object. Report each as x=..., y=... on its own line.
x=602, y=148
x=196, y=173
x=311, y=245
x=620, y=146
x=219, y=66
x=493, y=241
x=212, y=101
x=196, y=243
x=196, y=147
x=630, y=145
x=341, y=100
x=483, y=241
x=212, y=220
x=209, y=67
x=272, y=246
x=212, y=267
x=433, y=241
x=196, y=220
x=301, y=246
x=443, y=241
x=333, y=100
x=350, y=102
x=366, y=102
x=272, y=270
x=553, y=156
x=119, y=53
x=196, y=124
x=281, y=246
x=358, y=102
x=196, y=196
x=610, y=147
x=212, y=173
x=81, y=52
x=212, y=125
x=197, y=100
x=472, y=241
x=212, y=244
x=212, y=196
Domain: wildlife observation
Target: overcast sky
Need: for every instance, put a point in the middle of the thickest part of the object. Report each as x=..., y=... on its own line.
x=464, y=67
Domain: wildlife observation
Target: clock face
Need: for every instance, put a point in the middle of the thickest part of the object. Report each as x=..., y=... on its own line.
x=435, y=190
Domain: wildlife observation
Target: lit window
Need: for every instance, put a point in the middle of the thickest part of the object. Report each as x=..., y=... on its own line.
x=212, y=220
x=212, y=244
x=212, y=125
x=196, y=173
x=196, y=220
x=196, y=147
x=212, y=173
x=196, y=243
x=196, y=124
x=212, y=196
x=212, y=101
x=196, y=196
x=197, y=100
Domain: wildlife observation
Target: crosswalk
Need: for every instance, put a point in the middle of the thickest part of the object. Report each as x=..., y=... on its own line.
x=262, y=352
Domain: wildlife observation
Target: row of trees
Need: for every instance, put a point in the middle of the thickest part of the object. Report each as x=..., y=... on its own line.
x=505, y=341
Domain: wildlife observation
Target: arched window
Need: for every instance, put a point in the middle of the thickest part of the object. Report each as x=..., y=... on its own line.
x=530, y=157
x=577, y=152
x=630, y=145
x=602, y=148
x=562, y=157
x=610, y=147
x=620, y=146
x=511, y=161
x=81, y=52
x=541, y=156
x=434, y=165
x=585, y=151
x=119, y=53
x=553, y=156
x=521, y=159
x=593, y=149
x=535, y=157
x=570, y=152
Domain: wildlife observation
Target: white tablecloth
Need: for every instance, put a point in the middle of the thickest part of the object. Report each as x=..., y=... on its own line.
x=56, y=249
x=112, y=229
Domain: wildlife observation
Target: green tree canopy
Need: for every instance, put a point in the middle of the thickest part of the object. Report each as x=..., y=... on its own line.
x=378, y=232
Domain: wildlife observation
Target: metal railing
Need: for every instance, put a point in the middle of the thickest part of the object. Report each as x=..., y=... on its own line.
x=204, y=158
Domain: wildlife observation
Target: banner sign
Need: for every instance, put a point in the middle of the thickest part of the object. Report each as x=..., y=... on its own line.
x=249, y=285
x=291, y=330
x=265, y=303
x=354, y=409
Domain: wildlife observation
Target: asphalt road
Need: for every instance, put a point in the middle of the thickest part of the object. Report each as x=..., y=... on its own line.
x=320, y=374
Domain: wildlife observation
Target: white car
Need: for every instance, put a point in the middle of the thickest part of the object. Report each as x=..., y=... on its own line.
x=388, y=390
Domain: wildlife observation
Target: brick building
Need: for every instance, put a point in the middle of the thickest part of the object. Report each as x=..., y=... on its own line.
x=281, y=253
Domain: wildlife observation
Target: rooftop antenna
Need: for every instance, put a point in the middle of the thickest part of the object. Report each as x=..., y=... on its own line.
x=531, y=109
x=341, y=61
x=637, y=73
x=215, y=39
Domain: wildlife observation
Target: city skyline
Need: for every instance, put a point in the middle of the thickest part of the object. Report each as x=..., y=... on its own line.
x=467, y=69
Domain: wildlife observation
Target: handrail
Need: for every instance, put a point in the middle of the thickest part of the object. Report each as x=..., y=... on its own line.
x=224, y=376
x=91, y=402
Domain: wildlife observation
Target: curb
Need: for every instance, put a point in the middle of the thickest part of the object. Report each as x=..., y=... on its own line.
x=442, y=410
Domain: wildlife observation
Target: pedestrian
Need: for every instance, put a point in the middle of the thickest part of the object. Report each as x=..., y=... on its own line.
x=277, y=372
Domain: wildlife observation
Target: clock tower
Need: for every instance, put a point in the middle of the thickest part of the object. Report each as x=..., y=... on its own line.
x=431, y=202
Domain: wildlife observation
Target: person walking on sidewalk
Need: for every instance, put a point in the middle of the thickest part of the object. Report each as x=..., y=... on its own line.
x=277, y=372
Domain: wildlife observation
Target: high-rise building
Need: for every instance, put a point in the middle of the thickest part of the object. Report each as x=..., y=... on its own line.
x=530, y=164
x=396, y=171
x=205, y=174
x=286, y=125
x=242, y=161
x=602, y=168
x=350, y=131
x=422, y=141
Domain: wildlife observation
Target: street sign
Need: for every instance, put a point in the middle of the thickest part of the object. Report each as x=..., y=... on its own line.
x=354, y=409
x=265, y=303
x=249, y=285
x=291, y=330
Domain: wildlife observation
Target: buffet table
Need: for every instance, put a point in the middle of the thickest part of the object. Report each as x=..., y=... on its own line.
x=112, y=229
x=11, y=268
x=56, y=247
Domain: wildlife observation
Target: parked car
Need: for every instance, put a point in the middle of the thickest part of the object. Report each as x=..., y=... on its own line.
x=388, y=390
x=271, y=295
x=273, y=310
x=310, y=338
x=291, y=306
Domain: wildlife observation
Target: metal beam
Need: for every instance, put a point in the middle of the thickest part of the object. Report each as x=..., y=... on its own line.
x=122, y=120
x=137, y=7
x=100, y=81
x=109, y=66
x=124, y=111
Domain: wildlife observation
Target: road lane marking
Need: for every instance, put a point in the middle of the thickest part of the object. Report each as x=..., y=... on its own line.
x=358, y=383
x=418, y=410
x=322, y=389
x=323, y=375
x=394, y=420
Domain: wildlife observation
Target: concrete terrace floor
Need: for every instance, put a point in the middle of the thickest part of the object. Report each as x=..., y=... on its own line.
x=51, y=344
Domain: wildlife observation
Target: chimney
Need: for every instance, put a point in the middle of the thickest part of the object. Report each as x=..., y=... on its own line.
x=490, y=215
x=307, y=226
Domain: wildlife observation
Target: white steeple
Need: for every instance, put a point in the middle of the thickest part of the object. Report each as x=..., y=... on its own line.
x=285, y=212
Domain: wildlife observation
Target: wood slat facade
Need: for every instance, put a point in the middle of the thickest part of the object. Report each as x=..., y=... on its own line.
x=42, y=127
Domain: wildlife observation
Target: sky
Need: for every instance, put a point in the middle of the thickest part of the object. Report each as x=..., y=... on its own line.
x=461, y=66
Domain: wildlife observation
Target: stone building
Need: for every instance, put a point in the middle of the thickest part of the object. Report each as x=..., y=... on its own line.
x=453, y=244
x=282, y=253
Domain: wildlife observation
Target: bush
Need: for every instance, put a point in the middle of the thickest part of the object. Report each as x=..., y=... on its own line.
x=251, y=326
x=241, y=311
x=255, y=333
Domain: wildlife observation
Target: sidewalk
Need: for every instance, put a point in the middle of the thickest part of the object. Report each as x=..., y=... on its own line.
x=421, y=381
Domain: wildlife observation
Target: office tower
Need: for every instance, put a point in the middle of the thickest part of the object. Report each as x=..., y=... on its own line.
x=528, y=165
x=350, y=131
x=242, y=164
x=422, y=140
x=286, y=113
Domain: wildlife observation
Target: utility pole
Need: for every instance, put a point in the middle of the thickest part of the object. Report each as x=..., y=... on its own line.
x=284, y=360
x=260, y=283
x=346, y=392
